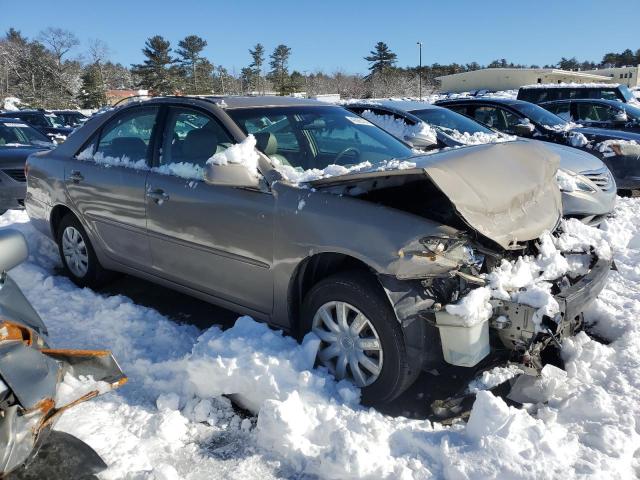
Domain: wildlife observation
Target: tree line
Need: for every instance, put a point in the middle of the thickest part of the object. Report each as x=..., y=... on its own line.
x=43, y=73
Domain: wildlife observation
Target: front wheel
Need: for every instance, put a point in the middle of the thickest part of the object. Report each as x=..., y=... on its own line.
x=361, y=338
x=77, y=255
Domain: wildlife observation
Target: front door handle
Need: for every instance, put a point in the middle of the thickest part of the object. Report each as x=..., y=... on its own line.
x=157, y=195
x=76, y=176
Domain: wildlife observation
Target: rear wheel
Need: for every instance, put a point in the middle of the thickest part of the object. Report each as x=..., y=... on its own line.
x=77, y=255
x=361, y=338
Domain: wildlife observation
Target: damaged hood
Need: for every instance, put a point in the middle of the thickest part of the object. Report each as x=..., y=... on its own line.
x=506, y=192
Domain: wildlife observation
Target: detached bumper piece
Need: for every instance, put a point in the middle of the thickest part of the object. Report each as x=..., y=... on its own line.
x=521, y=334
x=30, y=391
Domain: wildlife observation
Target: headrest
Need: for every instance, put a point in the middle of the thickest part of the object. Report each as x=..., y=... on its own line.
x=199, y=144
x=266, y=142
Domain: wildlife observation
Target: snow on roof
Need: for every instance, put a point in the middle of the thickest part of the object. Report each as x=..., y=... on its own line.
x=572, y=85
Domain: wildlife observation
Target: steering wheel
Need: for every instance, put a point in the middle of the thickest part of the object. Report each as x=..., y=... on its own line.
x=345, y=152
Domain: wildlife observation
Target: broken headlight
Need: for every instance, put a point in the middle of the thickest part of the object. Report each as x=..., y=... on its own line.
x=452, y=248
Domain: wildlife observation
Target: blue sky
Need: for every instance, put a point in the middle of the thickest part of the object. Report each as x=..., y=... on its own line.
x=328, y=35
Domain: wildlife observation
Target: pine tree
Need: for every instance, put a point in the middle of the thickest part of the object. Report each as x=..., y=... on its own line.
x=257, y=54
x=156, y=72
x=381, y=58
x=92, y=93
x=191, y=61
x=279, y=67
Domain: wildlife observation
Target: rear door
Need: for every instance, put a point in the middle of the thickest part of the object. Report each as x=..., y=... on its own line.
x=213, y=239
x=106, y=183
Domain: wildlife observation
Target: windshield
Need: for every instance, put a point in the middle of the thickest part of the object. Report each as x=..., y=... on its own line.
x=54, y=120
x=626, y=93
x=448, y=121
x=18, y=134
x=316, y=137
x=539, y=115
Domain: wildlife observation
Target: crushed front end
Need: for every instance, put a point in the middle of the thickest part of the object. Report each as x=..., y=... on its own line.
x=462, y=300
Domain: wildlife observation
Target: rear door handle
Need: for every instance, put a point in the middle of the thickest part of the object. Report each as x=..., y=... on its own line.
x=76, y=176
x=157, y=195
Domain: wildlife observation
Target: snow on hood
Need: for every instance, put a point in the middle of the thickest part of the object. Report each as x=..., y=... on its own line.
x=506, y=191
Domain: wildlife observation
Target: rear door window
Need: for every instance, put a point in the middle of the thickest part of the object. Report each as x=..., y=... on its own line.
x=127, y=138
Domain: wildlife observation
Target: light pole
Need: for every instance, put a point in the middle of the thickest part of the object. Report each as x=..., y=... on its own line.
x=420, y=71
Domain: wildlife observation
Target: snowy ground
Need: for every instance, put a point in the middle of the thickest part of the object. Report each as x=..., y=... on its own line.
x=172, y=421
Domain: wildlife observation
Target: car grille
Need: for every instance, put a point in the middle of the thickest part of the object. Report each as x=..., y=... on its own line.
x=16, y=173
x=602, y=179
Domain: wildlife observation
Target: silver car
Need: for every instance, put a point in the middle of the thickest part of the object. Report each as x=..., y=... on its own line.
x=588, y=188
x=319, y=234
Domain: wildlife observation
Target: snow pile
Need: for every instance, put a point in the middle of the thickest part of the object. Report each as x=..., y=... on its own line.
x=527, y=280
x=474, y=308
x=109, y=161
x=243, y=153
x=72, y=388
x=577, y=139
x=297, y=175
x=479, y=138
x=171, y=422
x=571, y=85
x=399, y=129
x=11, y=104
x=612, y=148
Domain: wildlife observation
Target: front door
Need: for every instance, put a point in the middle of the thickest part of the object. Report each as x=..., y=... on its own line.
x=106, y=183
x=214, y=239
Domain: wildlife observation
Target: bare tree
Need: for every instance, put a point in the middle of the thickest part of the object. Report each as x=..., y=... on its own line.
x=59, y=41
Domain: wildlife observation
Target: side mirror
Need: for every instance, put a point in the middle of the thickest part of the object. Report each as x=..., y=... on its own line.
x=422, y=141
x=524, y=130
x=13, y=249
x=230, y=175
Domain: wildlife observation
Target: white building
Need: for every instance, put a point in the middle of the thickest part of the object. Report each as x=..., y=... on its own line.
x=624, y=75
x=513, y=78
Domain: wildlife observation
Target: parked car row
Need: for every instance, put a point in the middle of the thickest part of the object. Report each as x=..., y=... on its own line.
x=590, y=199
x=330, y=224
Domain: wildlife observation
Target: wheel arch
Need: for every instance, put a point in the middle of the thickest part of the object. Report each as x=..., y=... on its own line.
x=315, y=268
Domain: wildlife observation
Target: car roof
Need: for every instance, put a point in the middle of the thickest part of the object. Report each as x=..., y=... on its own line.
x=402, y=105
x=613, y=103
x=8, y=119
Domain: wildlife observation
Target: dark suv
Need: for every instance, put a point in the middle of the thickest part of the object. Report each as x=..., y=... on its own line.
x=45, y=122
x=548, y=92
x=597, y=113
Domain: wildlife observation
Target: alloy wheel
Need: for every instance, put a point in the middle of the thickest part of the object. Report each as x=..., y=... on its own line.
x=350, y=347
x=75, y=251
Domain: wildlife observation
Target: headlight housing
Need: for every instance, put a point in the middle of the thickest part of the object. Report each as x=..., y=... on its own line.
x=570, y=182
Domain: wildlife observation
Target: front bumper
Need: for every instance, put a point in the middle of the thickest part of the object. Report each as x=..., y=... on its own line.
x=12, y=192
x=415, y=312
x=521, y=330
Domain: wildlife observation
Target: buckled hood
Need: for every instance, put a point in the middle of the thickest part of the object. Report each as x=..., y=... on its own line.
x=506, y=192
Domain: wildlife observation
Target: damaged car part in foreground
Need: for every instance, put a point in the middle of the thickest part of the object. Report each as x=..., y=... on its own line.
x=335, y=227
x=34, y=378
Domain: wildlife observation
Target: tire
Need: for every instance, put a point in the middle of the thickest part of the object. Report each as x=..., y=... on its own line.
x=362, y=293
x=93, y=275
x=625, y=193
